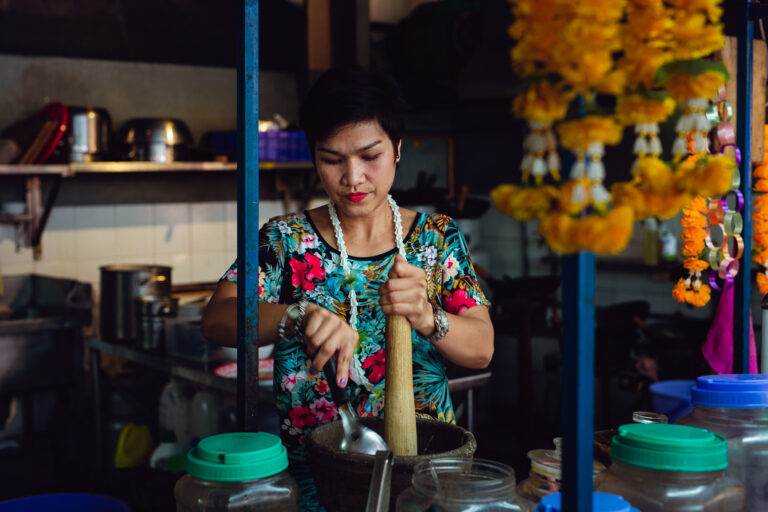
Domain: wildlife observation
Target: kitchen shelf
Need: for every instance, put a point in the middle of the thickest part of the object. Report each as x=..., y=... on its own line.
x=31, y=223
x=72, y=169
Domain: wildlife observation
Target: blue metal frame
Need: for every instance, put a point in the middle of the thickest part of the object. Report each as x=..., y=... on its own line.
x=578, y=380
x=743, y=292
x=248, y=218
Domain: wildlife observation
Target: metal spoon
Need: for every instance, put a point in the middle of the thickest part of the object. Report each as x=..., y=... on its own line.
x=357, y=438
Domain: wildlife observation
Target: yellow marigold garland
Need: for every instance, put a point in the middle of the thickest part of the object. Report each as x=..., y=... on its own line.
x=696, y=30
x=710, y=176
x=643, y=53
x=541, y=102
x=607, y=233
x=635, y=109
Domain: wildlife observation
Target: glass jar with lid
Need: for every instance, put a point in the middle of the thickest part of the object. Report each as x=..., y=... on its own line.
x=670, y=468
x=237, y=472
x=461, y=485
x=545, y=475
x=736, y=407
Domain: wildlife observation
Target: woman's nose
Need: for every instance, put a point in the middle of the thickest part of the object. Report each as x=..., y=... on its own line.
x=354, y=174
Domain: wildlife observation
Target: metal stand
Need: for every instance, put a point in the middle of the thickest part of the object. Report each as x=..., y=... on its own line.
x=578, y=381
x=248, y=219
x=743, y=292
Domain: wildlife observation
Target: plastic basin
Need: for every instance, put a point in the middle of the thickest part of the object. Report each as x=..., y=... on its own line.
x=672, y=398
x=66, y=502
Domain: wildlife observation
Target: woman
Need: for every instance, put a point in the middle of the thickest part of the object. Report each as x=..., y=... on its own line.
x=328, y=276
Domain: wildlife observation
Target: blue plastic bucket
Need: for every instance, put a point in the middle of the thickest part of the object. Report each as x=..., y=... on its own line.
x=65, y=502
x=672, y=398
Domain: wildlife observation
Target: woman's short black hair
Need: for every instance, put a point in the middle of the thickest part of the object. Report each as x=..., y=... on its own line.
x=348, y=95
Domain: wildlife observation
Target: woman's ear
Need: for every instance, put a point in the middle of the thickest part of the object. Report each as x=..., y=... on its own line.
x=397, y=153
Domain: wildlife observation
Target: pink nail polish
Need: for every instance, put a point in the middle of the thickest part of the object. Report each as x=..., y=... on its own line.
x=343, y=382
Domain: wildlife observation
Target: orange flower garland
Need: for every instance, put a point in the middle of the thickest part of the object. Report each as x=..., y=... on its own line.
x=760, y=221
x=645, y=53
x=691, y=290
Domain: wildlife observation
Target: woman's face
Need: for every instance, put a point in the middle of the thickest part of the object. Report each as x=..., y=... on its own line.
x=356, y=166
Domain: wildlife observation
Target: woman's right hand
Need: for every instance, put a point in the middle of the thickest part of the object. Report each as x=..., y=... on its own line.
x=326, y=334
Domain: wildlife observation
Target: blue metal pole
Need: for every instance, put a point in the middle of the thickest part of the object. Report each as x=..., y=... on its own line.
x=248, y=218
x=743, y=291
x=578, y=386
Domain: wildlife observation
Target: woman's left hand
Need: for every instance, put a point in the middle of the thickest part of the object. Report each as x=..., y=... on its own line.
x=405, y=293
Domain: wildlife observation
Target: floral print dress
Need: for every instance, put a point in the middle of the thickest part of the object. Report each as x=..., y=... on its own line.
x=296, y=263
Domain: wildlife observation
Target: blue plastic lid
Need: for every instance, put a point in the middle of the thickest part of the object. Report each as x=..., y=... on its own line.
x=736, y=391
x=65, y=502
x=601, y=502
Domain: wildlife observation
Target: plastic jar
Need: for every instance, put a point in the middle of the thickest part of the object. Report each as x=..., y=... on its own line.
x=736, y=407
x=669, y=468
x=601, y=502
x=237, y=472
x=458, y=485
x=545, y=475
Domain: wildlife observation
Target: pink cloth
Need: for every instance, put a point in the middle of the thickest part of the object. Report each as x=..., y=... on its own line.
x=718, y=349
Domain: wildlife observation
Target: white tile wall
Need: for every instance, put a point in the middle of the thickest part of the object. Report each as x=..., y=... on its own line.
x=133, y=225
x=198, y=240
x=95, y=235
x=171, y=231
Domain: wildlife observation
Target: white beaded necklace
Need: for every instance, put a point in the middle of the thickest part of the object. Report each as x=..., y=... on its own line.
x=344, y=257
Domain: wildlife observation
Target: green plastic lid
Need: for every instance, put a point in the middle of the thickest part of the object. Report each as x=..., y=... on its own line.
x=670, y=448
x=237, y=457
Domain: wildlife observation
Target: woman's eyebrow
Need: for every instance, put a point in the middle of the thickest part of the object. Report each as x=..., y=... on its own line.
x=361, y=150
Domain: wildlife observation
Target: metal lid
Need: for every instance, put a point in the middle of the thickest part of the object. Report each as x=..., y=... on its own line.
x=737, y=391
x=669, y=448
x=237, y=457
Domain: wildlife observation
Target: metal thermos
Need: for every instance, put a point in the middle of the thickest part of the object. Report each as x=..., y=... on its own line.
x=121, y=285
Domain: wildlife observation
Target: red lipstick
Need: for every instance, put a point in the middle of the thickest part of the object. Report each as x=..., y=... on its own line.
x=356, y=197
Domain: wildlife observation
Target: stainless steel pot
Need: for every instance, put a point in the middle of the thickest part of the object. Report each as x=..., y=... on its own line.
x=150, y=317
x=155, y=140
x=88, y=133
x=120, y=285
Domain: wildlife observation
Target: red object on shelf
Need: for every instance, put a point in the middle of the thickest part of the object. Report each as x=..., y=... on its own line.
x=229, y=370
x=55, y=112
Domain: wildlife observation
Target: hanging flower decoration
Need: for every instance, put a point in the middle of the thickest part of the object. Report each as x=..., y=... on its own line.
x=541, y=104
x=695, y=30
x=648, y=55
x=692, y=83
x=760, y=221
x=690, y=289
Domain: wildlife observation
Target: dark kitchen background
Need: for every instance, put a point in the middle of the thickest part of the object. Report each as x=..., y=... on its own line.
x=175, y=60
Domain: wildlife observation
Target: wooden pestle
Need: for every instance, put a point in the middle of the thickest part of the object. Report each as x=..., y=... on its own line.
x=399, y=404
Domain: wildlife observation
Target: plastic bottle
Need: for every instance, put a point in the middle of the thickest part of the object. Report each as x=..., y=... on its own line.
x=204, y=415
x=651, y=241
x=736, y=407
x=668, y=243
x=174, y=411
x=134, y=446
